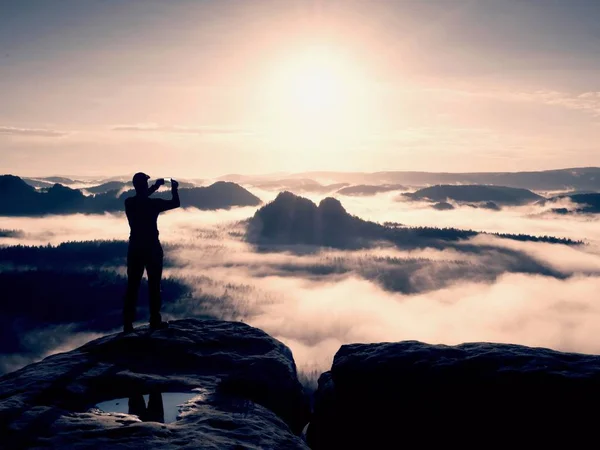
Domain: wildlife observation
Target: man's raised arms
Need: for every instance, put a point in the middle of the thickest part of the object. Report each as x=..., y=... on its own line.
x=165, y=205
x=158, y=183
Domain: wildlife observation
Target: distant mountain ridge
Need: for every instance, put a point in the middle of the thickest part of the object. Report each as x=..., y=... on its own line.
x=567, y=179
x=366, y=189
x=588, y=203
x=580, y=178
x=61, y=180
x=38, y=183
x=298, y=186
x=475, y=194
x=17, y=198
x=119, y=185
x=109, y=186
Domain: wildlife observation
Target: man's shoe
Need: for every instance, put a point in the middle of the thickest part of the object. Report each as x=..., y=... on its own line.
x=128, y=328
x=158, y=325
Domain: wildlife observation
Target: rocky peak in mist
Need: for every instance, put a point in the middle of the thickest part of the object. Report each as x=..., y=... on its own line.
x=291, y=219
x=475, y=194
x=333, y=207
x=334, y=215
x=585, y=203
x=17, y=197
x=62, y=199
x=59, y=191
x=15, y=185
x=443, y=206
x=219, y=195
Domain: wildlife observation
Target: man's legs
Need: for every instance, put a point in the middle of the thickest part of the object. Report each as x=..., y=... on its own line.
x=137, y=406
x=135, y=271
x=155, y=411
x=154, y=269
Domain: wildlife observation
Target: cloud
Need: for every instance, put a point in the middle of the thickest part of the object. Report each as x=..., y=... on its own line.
x=315, y=311
x=56, y=338
x=315, y=319
x=588, y=102
x=317, y=301
x=176, y=129
x=14, y=131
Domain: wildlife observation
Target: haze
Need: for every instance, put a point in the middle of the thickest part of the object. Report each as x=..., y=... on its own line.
x=251, y=104
x=206, y=88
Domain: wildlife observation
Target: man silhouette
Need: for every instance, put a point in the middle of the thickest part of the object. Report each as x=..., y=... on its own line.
x=145, y=251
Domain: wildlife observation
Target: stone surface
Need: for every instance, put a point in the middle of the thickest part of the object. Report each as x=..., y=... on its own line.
x=249, y=397
x=476, y=395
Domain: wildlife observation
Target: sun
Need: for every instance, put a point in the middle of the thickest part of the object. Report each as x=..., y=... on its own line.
x=314, y=84
x=314, y=90
x=317, y=106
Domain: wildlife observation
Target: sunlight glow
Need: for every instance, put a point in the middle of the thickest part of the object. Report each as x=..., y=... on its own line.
x=317, y=100
x=314, y=84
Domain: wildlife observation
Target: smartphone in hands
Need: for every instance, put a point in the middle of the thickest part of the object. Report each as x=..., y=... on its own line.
x=174, y=184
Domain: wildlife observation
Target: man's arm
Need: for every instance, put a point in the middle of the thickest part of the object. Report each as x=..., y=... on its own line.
x=166, y=205
x=158, y=183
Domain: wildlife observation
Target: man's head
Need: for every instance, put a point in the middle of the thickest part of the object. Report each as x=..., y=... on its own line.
x=140, y=183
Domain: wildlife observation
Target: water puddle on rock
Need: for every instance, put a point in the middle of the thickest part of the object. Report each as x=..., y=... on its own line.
x=161, y=407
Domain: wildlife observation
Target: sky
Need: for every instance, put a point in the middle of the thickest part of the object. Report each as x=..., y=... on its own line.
x=206, y=88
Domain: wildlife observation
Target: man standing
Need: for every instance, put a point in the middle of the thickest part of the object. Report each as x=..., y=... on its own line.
x=145, y=251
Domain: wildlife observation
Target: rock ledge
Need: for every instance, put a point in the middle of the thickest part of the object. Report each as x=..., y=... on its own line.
x=475, y=395
x=251, y=397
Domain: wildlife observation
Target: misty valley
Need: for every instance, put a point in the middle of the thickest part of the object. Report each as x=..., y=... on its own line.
x=294, y=225
x=315, y=262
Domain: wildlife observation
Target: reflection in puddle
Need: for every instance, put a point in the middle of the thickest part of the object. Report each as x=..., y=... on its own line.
x=153, y=407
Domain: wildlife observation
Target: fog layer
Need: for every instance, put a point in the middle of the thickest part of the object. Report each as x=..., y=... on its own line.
x=318, y=299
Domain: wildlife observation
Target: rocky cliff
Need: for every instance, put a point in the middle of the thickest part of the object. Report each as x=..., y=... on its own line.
x=477, y=395
x=248, y=392
x=245, y=394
